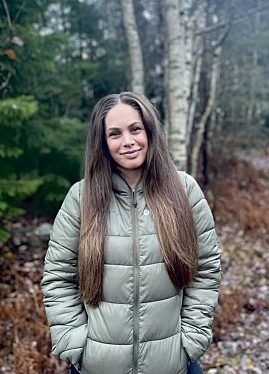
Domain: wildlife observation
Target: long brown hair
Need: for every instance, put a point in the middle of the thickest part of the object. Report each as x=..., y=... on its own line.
x=164, y=194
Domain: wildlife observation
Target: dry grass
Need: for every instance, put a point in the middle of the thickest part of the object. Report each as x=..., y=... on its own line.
x=24, y=336
x=241, y=196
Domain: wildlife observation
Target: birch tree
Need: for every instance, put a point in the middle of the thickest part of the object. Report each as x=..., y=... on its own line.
x=184, y=53
x=134, y=47
x=174, y=83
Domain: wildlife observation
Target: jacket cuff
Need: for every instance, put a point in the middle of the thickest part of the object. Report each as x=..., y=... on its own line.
x=72, y=344
x=193, y=348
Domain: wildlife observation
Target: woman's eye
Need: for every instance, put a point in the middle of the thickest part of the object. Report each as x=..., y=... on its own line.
x=136, y=129
x=114, y=134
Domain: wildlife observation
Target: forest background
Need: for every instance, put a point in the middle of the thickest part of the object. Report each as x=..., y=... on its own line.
x=204, y=64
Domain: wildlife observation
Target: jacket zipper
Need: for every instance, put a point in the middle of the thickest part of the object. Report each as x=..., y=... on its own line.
x=136, y=284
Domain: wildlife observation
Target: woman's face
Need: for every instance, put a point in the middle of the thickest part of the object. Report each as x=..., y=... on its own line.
x=126, y=138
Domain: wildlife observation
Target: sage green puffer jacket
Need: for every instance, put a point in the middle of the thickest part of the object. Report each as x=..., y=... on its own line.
x=143, y=325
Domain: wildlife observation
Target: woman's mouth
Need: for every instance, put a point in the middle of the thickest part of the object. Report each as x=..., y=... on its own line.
x=131, y=154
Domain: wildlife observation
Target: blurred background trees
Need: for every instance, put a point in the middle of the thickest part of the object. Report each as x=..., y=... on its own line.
x=203, y=63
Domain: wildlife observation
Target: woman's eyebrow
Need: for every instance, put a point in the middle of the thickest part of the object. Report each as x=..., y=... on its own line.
x=135, y=123
x=115, y=127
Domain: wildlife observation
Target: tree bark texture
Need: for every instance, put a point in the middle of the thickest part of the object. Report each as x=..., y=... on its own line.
x=175, y=84
x=253, y=72
x=197, y=54
x=135, y=52
x=184, y=54
x=200, y=128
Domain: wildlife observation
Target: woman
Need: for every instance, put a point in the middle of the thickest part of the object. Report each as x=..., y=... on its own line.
x=133, y=268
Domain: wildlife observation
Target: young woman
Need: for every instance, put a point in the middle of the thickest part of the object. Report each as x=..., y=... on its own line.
x=132, y=271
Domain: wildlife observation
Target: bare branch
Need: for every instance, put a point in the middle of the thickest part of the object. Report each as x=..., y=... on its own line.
x=223, y=36
x=7, y=13
x=19, y=11
x=237, y=18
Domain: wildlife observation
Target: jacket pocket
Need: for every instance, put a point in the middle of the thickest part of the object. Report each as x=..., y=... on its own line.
x=71, y=345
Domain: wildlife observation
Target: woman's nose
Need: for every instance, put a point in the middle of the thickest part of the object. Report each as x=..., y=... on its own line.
x=127, y=140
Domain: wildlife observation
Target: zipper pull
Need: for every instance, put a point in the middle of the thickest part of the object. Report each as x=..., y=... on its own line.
x=134, y=201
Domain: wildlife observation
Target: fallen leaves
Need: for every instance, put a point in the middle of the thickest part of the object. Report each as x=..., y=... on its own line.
x=24, y=335
x=241, y=341
x=241, y=194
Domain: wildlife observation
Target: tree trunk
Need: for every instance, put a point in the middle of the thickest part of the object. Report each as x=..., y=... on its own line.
x=175, y=84
x=199, y=22
x=166, y=90
x=184, y=60
x=200, y=128
x=134, y=47
x=254, y=68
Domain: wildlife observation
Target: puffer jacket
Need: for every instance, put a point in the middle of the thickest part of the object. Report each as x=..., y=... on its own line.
x=143, y=324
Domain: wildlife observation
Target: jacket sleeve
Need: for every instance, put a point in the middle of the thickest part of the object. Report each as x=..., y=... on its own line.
x=66, y=314
x=201, y=295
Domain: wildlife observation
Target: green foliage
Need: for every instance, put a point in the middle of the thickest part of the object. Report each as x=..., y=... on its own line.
x=4, y=236
x=8, y=152
x=13, y=114
x=56, y=59
x=12, y=192
x=57, y=146
x=50, y=195
x=14, y=111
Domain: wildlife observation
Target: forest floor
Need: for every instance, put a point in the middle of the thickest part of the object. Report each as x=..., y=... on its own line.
x=241, y=203
x=241, y=340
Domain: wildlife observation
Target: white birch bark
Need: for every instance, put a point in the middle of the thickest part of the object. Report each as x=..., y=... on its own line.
x=175, y=83
x=134, y=47
x=184, y=61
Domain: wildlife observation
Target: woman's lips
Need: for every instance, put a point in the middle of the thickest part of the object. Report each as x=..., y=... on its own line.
x=131, y=154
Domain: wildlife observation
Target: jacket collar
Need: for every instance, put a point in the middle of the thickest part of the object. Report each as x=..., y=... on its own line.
x=119, y=184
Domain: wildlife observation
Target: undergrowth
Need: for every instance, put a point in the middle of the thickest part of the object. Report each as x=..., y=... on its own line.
x=240, y=198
